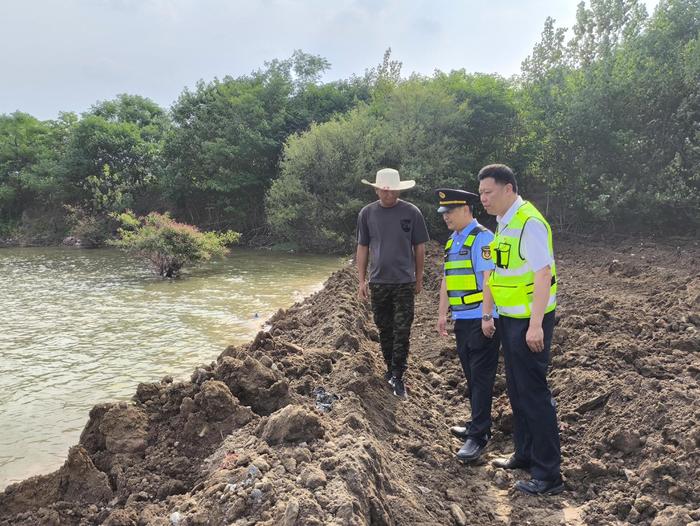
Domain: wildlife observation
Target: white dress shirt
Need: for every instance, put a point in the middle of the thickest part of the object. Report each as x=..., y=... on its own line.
x=534, y=244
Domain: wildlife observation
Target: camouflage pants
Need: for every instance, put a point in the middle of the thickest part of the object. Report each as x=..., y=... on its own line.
x=392, y=306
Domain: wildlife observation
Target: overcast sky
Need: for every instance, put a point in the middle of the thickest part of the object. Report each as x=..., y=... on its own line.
x=64, y=55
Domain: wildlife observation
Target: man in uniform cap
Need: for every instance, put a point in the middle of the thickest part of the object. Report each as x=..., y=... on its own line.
x=391, y=237
x=466, y=269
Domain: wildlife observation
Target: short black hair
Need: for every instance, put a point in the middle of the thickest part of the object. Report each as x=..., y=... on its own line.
x=500, y=173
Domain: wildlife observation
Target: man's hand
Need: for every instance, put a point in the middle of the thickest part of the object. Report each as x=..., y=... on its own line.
x=363, y=291
x=535, y=338
x=442, y=325
x=488, y=328
x=419, y=285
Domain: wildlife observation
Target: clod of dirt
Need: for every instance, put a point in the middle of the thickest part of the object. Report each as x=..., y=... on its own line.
x=125, y=429
x=78, y=481
x=292, y=424
x=253, y=384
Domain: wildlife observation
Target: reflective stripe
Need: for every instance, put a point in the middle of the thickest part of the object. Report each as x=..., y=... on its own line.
x=510, y=232
x=467, y=299
x=473, y=298
x=464, y=263
x=522, y=269
x=517, y=310
x=464, y=283
x=513, y=311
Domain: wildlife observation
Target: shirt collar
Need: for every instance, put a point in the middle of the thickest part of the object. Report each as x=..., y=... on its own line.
x=466, y=229
x=505, y=218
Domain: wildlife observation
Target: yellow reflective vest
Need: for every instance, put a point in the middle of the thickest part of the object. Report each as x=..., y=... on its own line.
x=512, y=283
x=463, y=290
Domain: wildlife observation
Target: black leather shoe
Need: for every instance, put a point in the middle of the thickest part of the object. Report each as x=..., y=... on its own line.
x=460, y=431
x=541, y=487
x=511, y=463
x=470, y=451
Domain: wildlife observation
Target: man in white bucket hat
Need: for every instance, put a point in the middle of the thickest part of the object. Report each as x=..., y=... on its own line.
x=391, y=237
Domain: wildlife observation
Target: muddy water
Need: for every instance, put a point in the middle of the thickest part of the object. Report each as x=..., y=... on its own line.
x=83, y=326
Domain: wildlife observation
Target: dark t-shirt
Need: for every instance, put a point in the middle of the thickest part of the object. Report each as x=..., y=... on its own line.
x=391, y=234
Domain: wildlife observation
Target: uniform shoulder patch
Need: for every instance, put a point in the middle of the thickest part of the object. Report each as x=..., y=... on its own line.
x=486, y=252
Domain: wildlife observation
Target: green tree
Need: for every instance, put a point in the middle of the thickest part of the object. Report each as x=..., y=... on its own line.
x=30, y=151
x=610, y=115
x=228, y=137
x=438, y=131
x=114, y=155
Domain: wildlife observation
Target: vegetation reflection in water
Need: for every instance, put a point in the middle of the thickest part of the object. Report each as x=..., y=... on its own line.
x=81, y=327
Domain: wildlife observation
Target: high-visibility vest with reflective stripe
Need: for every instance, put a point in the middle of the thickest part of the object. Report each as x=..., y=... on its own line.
x=512, y=282
x=463, y=290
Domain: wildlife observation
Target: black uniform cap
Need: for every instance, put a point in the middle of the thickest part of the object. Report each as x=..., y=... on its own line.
x=451, y=198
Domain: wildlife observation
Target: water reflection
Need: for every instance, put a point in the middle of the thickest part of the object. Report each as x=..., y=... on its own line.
x=83, y=326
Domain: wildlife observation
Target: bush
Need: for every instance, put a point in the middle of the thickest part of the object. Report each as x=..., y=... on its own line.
x=92, y=230
x=168, y=245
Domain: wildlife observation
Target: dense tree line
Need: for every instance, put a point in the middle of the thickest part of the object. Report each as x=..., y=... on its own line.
x=602, y=127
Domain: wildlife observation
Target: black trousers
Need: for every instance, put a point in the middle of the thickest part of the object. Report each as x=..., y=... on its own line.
x=393, y=307
x=536, y=431
x=479, y=357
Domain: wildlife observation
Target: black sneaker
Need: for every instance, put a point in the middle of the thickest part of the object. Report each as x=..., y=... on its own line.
x=399, y=388
x=388, y=377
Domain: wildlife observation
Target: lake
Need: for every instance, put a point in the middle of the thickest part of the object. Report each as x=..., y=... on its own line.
x=80, y=327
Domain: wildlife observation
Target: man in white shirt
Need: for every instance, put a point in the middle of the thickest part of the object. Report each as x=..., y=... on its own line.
x=523, y=285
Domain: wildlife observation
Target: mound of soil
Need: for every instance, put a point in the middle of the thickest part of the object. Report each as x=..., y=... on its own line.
x=299, y=428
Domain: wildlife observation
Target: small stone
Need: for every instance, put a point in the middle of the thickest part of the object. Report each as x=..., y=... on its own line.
x=175, y=518
x=642, y=504
x=501, y=479
x=261, y=464
x=626, y=441
x=290, y=464
x=313, y=478
x=453, y=494
x=256, y=494
x=254, y=472
x=595, y=467
x=291, y=513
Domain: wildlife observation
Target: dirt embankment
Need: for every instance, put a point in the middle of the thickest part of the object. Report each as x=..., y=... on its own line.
x=249, y=439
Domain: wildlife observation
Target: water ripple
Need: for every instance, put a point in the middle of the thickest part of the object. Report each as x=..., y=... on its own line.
x=84, y=326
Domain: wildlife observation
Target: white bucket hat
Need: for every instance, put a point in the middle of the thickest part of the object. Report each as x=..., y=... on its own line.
x=388, y=179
